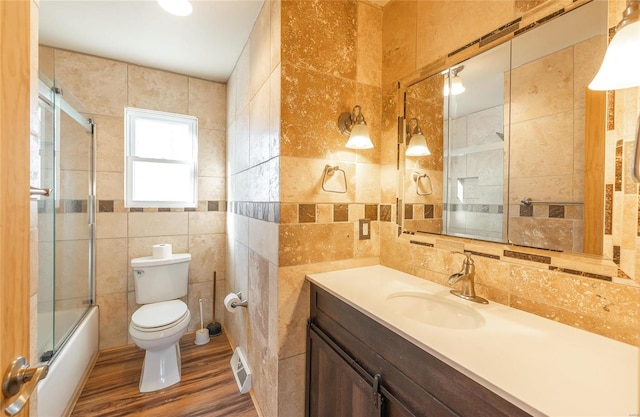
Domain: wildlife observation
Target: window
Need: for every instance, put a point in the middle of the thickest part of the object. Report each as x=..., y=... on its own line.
x=161, y=151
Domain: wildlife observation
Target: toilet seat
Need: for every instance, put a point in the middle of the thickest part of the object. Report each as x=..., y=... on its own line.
x=159, y=316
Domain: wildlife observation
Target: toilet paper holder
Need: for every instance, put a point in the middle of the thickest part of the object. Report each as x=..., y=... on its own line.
x=242, y=303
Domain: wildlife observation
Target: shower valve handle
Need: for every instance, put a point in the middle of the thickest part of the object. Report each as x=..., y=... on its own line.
x=18, y=374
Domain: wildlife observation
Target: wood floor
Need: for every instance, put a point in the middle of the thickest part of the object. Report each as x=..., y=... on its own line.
x=207, y=387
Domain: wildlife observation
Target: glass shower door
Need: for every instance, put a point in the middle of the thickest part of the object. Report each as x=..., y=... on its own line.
x=66, y=228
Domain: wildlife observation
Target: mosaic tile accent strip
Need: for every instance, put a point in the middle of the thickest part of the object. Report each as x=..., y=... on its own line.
x=340, y=212
x=105, y=206
x=371, y=212
x=475, y=208
x=608, y=209
x=616, y=254
x=526, y=210
x=618, y=181
x=484, y=255
x=385, y=212
x=527, y=257
x=255, y=209
x=408, y=211
x=556, y=212
x=611, y=110
x=580, y=273
x=416, y=242
x=306, y=213
x=428, y=211
x=64, y=206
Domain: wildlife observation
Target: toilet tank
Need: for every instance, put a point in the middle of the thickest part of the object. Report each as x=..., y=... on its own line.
x=163, y=279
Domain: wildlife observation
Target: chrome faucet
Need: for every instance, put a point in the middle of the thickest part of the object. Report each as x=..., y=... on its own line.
x=467, y=275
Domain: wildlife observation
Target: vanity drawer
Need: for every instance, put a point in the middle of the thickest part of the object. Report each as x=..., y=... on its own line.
x=421, y=382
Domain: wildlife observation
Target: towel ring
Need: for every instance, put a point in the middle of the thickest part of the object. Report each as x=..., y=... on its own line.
x=417, y=177
x=330, y=171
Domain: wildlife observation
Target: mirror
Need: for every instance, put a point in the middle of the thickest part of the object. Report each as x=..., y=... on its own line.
x=505, y=132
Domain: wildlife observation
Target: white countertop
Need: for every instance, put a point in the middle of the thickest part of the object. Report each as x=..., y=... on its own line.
x=544, y=367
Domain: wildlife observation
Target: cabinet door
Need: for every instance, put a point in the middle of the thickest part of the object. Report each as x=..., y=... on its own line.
x=335, y=387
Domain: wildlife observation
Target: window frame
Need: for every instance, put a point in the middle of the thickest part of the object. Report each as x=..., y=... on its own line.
x=132, y=114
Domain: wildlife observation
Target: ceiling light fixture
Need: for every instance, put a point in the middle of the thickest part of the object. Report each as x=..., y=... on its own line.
x=456, y=83
x=353, y=126
x=621, y=66
x=176, y=7
x=416, y=142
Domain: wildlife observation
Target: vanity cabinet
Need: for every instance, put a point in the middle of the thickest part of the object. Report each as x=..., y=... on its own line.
x=358, y=367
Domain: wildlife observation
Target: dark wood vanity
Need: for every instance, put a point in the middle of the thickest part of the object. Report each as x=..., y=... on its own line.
x=358, y=367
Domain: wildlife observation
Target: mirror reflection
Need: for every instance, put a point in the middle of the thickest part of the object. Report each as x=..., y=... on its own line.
x=506, y=135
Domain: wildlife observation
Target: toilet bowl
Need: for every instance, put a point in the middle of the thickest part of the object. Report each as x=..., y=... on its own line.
x=160, y=322
x=157, y=328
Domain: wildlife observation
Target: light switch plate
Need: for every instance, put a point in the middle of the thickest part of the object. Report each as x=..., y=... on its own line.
x=364, y=229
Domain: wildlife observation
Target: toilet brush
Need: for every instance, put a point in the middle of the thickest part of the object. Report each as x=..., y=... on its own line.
x=202, y=334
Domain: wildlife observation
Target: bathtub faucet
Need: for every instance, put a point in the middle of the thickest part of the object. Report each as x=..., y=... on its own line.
x=467, y=275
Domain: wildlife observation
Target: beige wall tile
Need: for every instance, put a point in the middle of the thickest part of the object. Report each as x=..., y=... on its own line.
x=263, y=239
x=302, y=243
x=72, y=226
x=208, y=254
x=111, y=225
x=259, y=134
x=293, y=311
x=306, y=44
x=260, y=49
x=399, y=32
x=107, y=78
x=367, y=183
x=474, y=19
x=109, y=143
x=207, y=222
x=311, y=104
x=276, y=24
x=113, y=332
x=207, y=101
x=46, y=64
x=274, y=111
x=75, y=143
x=243, y=80
x=258, y=296
x=158, y=224
x=211, y=188
x=369, y=55
x=109, y=186
x=211, y=153
x=112, y=267
x=157, y=90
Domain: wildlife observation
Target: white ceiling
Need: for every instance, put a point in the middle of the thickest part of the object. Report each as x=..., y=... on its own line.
x=205, y=44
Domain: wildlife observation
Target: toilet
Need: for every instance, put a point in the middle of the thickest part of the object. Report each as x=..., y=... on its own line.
x=159, y=324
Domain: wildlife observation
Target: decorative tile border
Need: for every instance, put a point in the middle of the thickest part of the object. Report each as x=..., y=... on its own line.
x=611, y=110
x=580, y=273
x=475, y=208
x=304, y=213
x=527, y=257
x=417, y=242
x=618, y=166
x=269, y=212
x=608, y=209
x=117, y=206
x=63, y=206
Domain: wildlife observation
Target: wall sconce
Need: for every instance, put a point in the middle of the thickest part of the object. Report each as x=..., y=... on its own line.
x=176, y=7
x=456, y=82
x=353, y=126
x=621, y=66
x=416, y=142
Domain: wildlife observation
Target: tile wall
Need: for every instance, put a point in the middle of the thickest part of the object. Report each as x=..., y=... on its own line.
x=104, y=88
x=583, y=292
x=253, y=169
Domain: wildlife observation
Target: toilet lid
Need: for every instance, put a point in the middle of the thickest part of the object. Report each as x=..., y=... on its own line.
x=159, y=314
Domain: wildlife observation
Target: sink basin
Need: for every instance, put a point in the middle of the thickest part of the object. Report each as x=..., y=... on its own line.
x=434, y=310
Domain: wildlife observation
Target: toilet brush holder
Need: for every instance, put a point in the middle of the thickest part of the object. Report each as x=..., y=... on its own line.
x=202, y=334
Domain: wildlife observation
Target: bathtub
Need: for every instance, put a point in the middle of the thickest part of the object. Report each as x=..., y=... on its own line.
x=69, y=368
